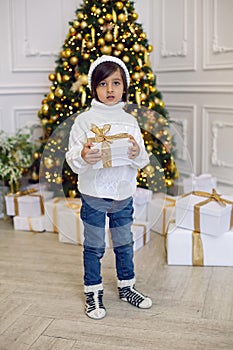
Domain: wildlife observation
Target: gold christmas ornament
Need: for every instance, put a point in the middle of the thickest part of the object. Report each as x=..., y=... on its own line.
x=79, y=36
x=108, y=36
x=149, y=148
x=122, y=17
x=104, y=1
x=119, y=5
x=86, y=56
x=136, y=76
x=59, y=92
x=101, y=42
x=80, y=15
x=65, y=64
x=65, y=78
x=76, y=24
x=83, y=24
x=89, y=45
x=74, y=60
x=52, y=76
x=143, y=96
x=101, y=21
x=150, y=48
x=76, y=104
x=45, y=109
x=134, y=16
x=58, y=106
x=36, y=155
x=108, y=17
x=59, y=78
x=136, y=47
x=50, y=96
x=72, y=31
x=106, y=50
x=44, y=121
x=93, y=9
x=126, y=59
x=120, y=46
x=98, y=11
x=116, y=53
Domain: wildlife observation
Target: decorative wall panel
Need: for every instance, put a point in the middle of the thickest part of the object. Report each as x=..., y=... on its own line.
x=183, y=130
x=218, y=44
x=218, y=142
x=175, y=46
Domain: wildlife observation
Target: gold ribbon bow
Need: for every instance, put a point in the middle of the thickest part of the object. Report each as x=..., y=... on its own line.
x=100, y=136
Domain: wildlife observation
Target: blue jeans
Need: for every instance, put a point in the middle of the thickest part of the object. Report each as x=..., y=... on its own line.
x=93, y=215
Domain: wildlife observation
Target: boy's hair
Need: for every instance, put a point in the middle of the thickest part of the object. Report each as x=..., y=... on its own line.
x=103, y=71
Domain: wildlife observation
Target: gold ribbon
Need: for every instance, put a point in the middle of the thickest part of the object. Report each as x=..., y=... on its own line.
x=214, y=196
x=101, y=137
x=197, y=247
x=173, y=203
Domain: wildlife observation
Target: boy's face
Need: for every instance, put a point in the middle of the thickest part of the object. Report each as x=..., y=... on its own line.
x=110, y=90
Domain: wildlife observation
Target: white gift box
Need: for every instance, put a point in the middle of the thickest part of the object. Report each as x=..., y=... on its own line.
x=215, y=219
x=161, y=210
x=203, y=182
x=216, y=251
x=69, y=225
x=118, y=155
x=51, y=211
x=141, y=234
x=141, y=200
x=27, y=205
x=34, y=224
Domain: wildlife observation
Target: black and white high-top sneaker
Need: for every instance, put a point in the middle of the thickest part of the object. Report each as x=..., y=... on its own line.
x=128, y=293
x=94, y=306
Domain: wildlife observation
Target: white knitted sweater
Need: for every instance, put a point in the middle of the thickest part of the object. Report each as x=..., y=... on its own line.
x=116, y=182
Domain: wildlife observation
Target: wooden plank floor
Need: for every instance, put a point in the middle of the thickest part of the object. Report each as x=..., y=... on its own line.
x=42, y=304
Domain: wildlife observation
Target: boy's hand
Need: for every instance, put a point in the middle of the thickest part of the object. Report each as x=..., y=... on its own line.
x=91, y=156
x=134, y=150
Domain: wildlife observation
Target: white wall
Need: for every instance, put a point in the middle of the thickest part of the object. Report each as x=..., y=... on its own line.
x=192, y=60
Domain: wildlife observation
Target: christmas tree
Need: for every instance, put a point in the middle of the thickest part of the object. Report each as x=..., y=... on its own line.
x=107, y=27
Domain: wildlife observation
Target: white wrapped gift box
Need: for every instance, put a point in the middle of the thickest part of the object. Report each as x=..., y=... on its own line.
x=34, y=224
x=51, y=211
x=141, y=200
x=184, y=249
x=203, y=182
x=161, y=210
x=69, y=225
x=27, y=203
x=114, y=154
x=141, y=234
x=214, y=218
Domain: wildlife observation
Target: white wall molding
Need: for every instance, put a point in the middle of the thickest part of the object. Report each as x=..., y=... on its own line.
x=215, y=132
x=183, y=45
x=25, y=116
x=215, y=87
x=23, y=90
x=177, y=51
x=217, y=54
x=183, y=127
x=217, y=143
